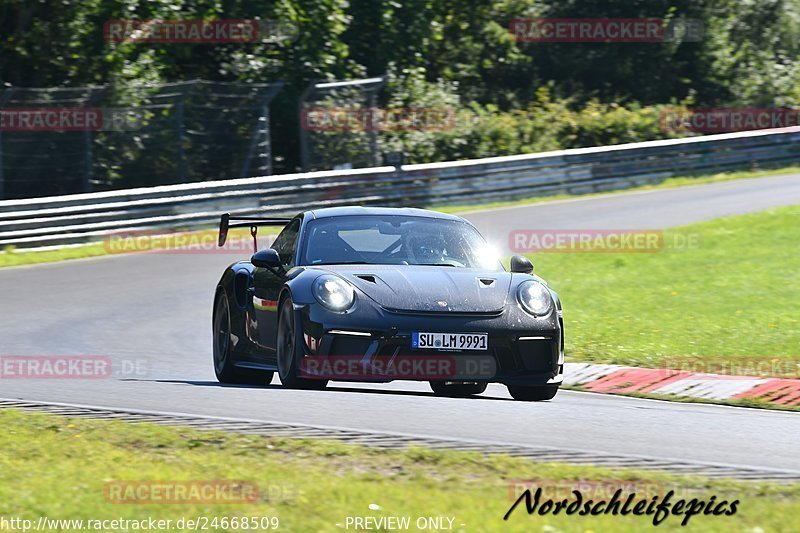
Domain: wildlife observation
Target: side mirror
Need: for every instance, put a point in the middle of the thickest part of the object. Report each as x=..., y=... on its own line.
x=268, y=258
x=521, y=265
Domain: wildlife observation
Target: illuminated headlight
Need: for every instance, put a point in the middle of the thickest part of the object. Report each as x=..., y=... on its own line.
x=334, y=293
x=534, y=298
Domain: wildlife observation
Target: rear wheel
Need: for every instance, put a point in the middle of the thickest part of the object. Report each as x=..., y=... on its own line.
x=223, y=361
x=457, y=390
x=535, y=393
x=290, y=352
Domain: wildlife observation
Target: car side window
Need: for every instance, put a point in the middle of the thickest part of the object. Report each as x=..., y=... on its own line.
x=286, y=243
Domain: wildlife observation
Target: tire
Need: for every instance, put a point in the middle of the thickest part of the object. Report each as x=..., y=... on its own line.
x=536, y=393
x=457, y=390
x=290, y=351
x=224, y=368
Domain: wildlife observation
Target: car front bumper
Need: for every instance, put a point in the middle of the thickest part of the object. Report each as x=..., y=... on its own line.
x=521, y=350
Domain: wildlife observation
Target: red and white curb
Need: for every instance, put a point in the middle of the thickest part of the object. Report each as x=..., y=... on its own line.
x=627, y=379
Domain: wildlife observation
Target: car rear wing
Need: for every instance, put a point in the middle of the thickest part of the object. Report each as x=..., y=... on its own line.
x=227, y=222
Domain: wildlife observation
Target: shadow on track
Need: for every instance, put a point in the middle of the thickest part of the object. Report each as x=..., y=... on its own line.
x=338, y=389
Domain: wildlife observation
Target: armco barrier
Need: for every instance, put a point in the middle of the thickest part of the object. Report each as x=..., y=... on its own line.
x=77, y=218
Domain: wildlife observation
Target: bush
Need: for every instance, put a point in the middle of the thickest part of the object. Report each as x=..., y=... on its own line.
x=546, y=124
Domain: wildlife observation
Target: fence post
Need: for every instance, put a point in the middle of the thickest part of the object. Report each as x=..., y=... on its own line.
x=2, y=181
x=266, y=153
x=87, y=161
x=261, y=136
x=180, y=136
x=88, y=153
x=372, y=132
x=5, y=98
x=305, y=156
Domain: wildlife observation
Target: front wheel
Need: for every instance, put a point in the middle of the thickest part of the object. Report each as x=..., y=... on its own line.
x=290, y=352
x=224, y=367
x=535, y=393
x=457, y=390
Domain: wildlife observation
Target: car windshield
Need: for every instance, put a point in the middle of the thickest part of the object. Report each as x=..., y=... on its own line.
x=396, y=240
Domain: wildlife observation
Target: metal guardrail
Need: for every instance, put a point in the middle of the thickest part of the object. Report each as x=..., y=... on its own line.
x=79, y=218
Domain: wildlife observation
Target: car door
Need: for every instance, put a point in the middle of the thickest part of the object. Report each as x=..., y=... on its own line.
x=266, y=287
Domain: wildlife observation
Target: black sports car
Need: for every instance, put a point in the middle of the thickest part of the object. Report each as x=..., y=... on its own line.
x=378, y=294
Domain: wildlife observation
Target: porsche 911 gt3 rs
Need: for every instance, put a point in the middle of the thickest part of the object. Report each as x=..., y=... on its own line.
x=381, y=294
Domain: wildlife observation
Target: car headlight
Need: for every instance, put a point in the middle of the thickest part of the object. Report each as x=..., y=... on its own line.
x=534, y=298
x=334, y=293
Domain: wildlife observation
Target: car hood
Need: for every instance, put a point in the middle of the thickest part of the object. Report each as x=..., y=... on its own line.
x=429, y=288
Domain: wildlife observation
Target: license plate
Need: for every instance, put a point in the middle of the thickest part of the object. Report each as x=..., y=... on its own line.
x=449, y=341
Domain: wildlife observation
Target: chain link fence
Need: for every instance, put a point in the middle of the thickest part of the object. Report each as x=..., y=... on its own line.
x=337, y=129
x=82, y=139
x=69, y=140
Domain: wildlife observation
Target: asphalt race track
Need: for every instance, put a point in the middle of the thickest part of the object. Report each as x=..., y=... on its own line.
x=152, y=314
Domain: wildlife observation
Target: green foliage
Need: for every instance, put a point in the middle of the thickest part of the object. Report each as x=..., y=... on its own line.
x=511, y=97
x=545, y=124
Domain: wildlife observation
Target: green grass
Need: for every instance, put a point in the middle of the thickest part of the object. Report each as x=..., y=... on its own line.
x=58, y=467
x=667, y=183
x=734, y=296
x=11, y=256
